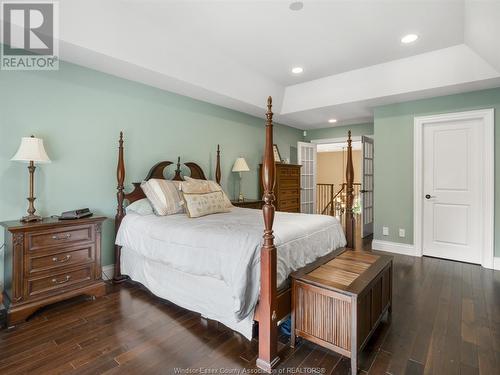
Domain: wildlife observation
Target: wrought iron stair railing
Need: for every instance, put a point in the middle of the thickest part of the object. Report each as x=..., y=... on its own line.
x=333, y=203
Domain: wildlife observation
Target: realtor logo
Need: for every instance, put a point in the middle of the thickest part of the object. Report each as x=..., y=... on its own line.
x=30, y=35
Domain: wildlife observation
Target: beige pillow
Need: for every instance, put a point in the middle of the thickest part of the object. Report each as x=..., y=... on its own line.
x=164, y=196
x=195, y=186
x=198, y=205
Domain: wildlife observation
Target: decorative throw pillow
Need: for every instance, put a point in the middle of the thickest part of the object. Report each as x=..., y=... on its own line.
x=140, y=207
x=198, y=205
x=193, y=185
x=164, y=196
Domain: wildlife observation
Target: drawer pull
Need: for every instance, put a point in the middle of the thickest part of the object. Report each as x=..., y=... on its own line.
x=55, y=281
x=61, y=260
x=66, y=236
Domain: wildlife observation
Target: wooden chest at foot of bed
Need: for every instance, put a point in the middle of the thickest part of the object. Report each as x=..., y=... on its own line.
x=340, y=303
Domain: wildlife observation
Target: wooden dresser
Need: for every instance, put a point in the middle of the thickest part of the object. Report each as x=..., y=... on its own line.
x=287, y=188
x=49, y=261
x=339, y=302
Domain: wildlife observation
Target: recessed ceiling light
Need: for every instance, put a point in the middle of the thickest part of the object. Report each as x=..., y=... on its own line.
x=297, y=70
x=296, y=5
x=332, y=120
x=410, y=38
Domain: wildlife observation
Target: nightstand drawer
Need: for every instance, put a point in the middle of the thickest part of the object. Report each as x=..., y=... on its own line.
x=59, y=280
x=60, y=237
x=69, y=257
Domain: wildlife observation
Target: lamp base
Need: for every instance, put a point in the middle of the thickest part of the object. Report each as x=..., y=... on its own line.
x=30, y=218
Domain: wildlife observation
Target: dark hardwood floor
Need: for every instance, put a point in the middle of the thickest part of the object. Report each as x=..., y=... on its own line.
x=446, y=320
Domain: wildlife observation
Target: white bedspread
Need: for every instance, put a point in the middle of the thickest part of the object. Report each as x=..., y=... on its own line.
x=227, y=246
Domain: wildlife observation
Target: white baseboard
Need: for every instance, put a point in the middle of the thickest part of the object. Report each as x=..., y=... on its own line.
x=394, y=247
x=107, y=271
x=496, y=263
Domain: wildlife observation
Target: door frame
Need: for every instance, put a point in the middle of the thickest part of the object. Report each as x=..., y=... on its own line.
x=488, y=183
x=315, y=172
x=363, y=234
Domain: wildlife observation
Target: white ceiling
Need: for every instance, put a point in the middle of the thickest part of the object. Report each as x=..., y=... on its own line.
x=235, y=53
x=325, y=37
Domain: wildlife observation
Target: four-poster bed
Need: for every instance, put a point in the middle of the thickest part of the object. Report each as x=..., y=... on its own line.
x=274, y=301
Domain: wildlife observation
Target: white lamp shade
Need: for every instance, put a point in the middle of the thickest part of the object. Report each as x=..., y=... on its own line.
x=31, y=149
x=240, y=165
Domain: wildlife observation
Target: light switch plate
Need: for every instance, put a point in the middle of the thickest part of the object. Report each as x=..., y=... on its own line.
x=402, y=232
x=385, y=231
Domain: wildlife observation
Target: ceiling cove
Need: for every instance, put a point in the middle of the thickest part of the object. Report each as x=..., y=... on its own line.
x=236, y=53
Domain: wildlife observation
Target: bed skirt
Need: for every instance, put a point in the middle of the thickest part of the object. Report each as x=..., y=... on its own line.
x=205, y=295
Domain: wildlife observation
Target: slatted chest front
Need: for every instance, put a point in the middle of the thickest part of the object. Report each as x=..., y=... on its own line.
x=339, y=302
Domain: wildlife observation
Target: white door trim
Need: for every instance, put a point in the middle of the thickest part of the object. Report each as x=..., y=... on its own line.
x=314, y=171
x=354, y=138
x=367, y=210
x=496, y=263
x=488, y=185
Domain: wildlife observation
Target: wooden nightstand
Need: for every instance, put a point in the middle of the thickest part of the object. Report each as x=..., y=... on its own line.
x=249, y=203
x=49, y=261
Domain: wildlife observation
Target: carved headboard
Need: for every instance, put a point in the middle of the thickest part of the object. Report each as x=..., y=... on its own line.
x=159, y=171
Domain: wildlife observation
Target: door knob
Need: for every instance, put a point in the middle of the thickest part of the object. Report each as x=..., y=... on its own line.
x=428, y=196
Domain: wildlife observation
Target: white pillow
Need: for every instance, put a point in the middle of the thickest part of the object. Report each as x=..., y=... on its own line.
x=164, y=196
x=140, y=207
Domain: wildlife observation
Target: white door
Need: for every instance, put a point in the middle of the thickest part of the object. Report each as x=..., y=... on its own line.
x=452, y=195
x=307, y=158
x=367, y=187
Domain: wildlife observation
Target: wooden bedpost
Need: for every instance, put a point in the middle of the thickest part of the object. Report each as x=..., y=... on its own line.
x=349, y=175
x=217, y=166
x=120, y=213
x=268, y=329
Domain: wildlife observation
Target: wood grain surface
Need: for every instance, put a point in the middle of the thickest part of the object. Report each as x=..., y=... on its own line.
x=446, y=320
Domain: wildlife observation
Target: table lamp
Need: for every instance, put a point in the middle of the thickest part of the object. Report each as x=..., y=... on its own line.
x=240, y=165
x=31, y=151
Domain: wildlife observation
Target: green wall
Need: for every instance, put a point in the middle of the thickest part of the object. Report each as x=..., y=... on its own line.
x=79, y=113
x=394, y=158
x=339, y=131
